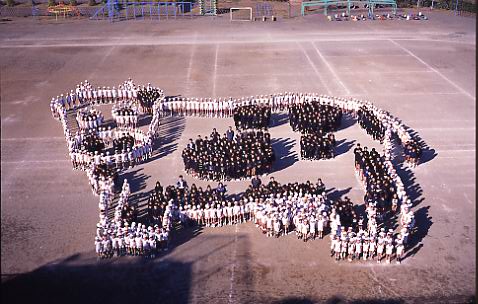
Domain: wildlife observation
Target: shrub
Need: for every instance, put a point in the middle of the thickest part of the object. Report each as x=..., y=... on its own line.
x=91, y=2
x=51, y=3
x=10, y=2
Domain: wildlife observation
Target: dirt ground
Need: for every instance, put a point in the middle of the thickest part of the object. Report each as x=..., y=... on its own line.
x=421, y=71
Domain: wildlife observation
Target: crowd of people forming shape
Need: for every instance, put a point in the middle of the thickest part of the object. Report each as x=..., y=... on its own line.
x=316, y=122
x=276, y=209
x=229, y=157
x=89, y=146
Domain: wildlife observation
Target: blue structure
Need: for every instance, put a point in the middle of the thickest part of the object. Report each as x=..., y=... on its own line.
x=263, y=9
x=348, y=4
x=115, y=10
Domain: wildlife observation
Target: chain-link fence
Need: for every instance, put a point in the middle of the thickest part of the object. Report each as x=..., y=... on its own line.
x=26, y=8
x=454, y=5
x=39, y=10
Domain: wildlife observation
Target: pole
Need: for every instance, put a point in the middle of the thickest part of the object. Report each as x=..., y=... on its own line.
x=109, y=5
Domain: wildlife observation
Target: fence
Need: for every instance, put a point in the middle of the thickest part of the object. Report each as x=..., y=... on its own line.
x=115, y=11
x=263, y=9
x=458, y=6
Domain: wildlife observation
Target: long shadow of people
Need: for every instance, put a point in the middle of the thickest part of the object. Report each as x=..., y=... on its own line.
x=284, y=154
x=137, y=182
x=336, y=194
x=170, y=130
x=342, y=146
x=422, y=220
x=346, y=121
x=278, y=119
x=144, y=120
x=427, y=152
x=420, y=231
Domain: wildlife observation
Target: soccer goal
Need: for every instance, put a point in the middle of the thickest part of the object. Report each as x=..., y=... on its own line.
x=241, y=13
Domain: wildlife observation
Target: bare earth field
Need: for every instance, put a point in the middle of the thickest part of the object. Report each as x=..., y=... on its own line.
x=421, y=71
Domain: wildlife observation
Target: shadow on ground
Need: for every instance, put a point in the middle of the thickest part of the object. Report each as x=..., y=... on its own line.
x=346, y=121
x=131, y=280
x=137, y=183
x=278, y=119
x=336, y=194
x=81, y=278
x=466, y=299
x=342, y=146
x=427, y=152
x=170, y=130
x=285, y=156
x=423, y=221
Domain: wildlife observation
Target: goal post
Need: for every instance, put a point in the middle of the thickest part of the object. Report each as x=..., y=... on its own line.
x=241, y=13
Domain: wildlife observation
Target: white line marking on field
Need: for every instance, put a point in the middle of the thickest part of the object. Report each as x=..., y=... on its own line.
x=262, y=74
x=26, y=162
x=191, y=59
x=404, y=94
x=234, y=256
x=127, y=41
x=347, y=91
x=103, y=59
x=215, y=72
x=31, y=138
x=314, y=68
x=433, y=69
x=355, y=73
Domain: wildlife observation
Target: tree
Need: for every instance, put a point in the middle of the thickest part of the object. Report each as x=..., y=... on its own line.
x=91, y=2
x=51, y=3
x=73, y=3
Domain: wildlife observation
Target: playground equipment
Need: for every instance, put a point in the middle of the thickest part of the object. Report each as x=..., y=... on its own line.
x=248, y=16
x=263, y=9
x=62, y=10
x=208, y=7
x=116, y=11
x=348, y=3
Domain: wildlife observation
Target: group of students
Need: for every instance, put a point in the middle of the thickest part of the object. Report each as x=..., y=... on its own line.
x=147, y=97
x=89, y=118
x=371, y=124
x=252, y=117
x=101, y=175
x=413, y=152
x=88, y=147
x=383, y=189
x=118, y=237
x=313, y=117
x=315, y=146
x=85, y=93
x=384, y=192
x=351, y=246
x=276, y=209
x=301, y=208
x=314, y=121
x=230, y=156
x=372, y=172
x=125, y=114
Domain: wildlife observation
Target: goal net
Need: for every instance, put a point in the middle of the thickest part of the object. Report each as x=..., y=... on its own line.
x=241, y=13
